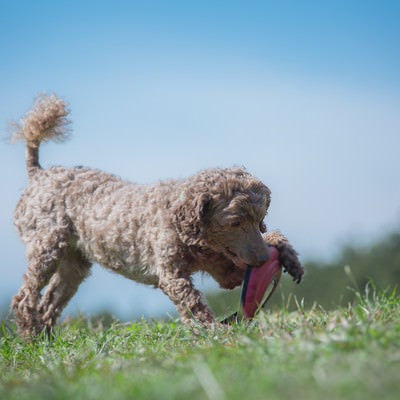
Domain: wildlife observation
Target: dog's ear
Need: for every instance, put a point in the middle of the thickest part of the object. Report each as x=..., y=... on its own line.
x=204, y=207
x=191, y=215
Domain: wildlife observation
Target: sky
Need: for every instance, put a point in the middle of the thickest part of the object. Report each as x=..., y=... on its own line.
x=304, y=94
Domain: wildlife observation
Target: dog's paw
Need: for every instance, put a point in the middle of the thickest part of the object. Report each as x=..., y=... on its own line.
x=288, y=257
x=291, y=263
x=296, y=271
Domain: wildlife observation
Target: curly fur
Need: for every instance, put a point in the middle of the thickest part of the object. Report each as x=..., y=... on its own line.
x=158, y=235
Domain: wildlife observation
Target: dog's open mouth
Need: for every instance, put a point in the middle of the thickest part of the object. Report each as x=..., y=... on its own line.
x=236, y=259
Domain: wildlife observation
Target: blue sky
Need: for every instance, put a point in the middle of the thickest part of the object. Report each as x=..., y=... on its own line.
x=305, y=94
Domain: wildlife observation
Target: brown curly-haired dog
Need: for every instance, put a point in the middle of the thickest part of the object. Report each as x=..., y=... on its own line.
x=158, y=235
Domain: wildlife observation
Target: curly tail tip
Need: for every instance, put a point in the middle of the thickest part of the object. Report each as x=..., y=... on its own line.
x=46, y=121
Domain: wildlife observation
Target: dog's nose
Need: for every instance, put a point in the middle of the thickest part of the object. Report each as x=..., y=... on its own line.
x=263, y=258
x=256, y=256
x=260, y=258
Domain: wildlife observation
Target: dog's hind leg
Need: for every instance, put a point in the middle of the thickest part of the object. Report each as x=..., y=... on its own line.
x=46, y=242
x=41, y=266
x=72, y=269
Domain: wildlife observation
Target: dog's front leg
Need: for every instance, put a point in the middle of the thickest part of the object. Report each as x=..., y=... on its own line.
x=287, y=255
x=187, y=299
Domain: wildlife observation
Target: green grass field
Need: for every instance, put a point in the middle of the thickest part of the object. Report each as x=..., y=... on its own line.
x=348, y=353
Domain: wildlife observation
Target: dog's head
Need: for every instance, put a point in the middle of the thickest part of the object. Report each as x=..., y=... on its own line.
x=224, y=210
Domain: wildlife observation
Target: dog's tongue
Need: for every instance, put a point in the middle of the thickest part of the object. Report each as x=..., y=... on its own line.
x=257, y=289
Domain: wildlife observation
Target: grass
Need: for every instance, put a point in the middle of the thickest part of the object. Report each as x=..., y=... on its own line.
x=349, y=353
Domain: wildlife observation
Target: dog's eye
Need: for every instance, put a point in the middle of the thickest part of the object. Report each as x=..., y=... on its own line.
x=235, y=224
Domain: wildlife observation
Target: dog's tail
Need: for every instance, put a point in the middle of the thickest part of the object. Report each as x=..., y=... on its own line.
x=46, y=121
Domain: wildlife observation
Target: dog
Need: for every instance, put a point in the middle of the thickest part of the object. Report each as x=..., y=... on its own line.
x=158, y=235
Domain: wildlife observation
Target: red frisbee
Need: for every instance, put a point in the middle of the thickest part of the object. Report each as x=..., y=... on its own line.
x=260, y=283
